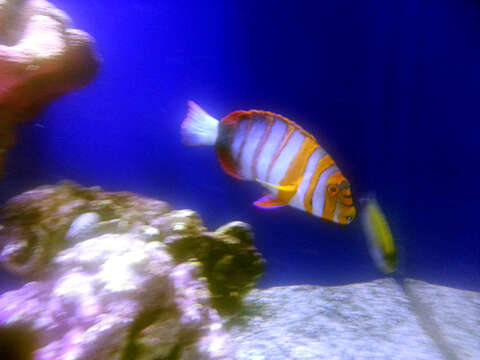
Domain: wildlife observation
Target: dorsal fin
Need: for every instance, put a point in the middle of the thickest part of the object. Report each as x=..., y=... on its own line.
x=234, y=117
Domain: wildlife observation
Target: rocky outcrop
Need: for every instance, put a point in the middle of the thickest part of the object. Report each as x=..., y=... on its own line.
x=118, y=275
x=116, y=295
x=383, y=319
x=39, y=223
x=41, y=58
x=114, y=275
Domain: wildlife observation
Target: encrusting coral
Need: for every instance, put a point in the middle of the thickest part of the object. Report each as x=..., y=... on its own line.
x=41, y=58
x=118, y=275
x=41, y=222
x=106, y=294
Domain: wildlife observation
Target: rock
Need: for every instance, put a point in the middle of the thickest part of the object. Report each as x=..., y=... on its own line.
x=39, y=223
x=376, y=320
x=453, y=315
x=121, y=276
x=115, y=297
x=41, y=58
x=17, y=342
x=230, y=261
x=83, y=227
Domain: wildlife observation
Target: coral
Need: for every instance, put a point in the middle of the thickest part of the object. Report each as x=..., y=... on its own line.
x=115, y=275
x=41, y=58
x=118, y=296
x=39, y=223
x=227, y=259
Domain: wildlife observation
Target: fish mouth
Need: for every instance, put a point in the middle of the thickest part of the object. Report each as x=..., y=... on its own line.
x=349, y=219
x=351, y=215
x=345, y=220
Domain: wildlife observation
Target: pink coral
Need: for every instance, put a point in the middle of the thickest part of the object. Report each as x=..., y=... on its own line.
x=41, y=58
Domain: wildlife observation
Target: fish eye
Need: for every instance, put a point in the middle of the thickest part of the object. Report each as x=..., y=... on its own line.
x=349, y=218
x=332, y=189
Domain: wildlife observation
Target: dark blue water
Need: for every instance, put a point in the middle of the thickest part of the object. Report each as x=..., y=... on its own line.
x=390, y=89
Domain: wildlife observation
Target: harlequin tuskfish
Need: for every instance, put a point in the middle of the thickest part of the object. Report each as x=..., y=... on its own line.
x=278, y=154
x=379, y=237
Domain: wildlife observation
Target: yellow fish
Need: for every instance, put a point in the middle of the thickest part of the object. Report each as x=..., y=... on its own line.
x=379, y=236
x=278, y=154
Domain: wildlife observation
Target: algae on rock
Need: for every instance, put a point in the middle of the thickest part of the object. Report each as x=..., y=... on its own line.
x=118, y=275
x=41, y=222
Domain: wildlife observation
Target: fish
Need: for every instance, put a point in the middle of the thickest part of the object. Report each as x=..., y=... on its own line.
x=278, y=154
x=379, y=237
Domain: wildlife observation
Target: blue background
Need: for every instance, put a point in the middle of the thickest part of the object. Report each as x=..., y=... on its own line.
x=390, y=88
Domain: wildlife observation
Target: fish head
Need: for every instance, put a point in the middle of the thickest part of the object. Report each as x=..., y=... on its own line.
x=338, y=200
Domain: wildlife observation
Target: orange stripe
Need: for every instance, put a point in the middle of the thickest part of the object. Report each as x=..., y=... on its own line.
x=282, y=119
x=244, y=140
x=286, y=137
x=346, y=197
x=236, y=116
x=296, y=169
x=260, y=145
x=331, y=201
x=323, y=164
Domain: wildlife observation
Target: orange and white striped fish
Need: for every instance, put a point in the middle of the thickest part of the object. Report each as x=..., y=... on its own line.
x=278, y=154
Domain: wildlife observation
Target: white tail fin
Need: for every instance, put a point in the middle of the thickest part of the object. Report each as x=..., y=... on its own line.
x=198, y=128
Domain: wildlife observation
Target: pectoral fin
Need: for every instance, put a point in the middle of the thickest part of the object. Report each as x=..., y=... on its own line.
x=286, y=188
x=268, y=202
